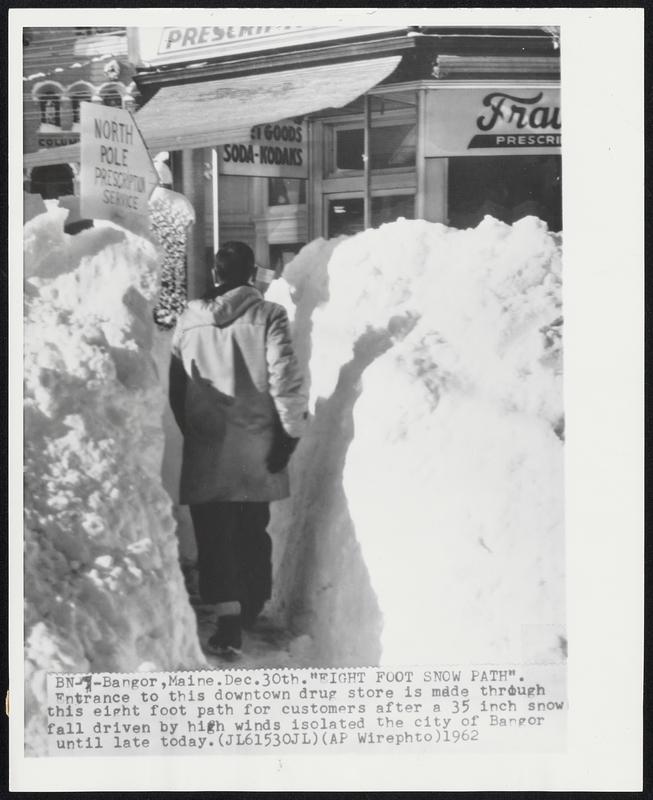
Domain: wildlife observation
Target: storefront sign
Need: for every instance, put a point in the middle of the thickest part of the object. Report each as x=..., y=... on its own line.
x=117, y=175
x=155, y=46
x=275, y=150
x=45, y=140
x=493, y=121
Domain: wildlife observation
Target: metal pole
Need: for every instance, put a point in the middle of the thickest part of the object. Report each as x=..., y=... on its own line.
x=194, y=270
x=311, y=194
x=215, y=197
x=367, y=172
x=420, y=198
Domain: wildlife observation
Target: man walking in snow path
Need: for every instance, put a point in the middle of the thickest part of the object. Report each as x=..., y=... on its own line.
x=238, y=398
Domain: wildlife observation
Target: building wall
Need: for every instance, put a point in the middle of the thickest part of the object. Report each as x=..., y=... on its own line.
x=61, y=67
x=67, y=61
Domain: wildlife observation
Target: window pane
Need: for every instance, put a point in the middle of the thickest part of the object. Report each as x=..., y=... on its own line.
x=286, y=191
x=390, y=146
x=75, y=101
x=393, y=146
x=50, y=109
x=505, y=187
x=113, y=99
x=391, y=207
x=346, y=216
x=349, y=149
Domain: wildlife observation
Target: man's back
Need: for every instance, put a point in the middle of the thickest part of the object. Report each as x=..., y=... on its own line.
x=236, y=374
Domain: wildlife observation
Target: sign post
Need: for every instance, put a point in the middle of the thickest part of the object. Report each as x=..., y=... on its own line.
x=215, y=197
x=117, y=175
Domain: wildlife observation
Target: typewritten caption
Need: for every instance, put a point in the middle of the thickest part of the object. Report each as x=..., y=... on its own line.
x=484, y=709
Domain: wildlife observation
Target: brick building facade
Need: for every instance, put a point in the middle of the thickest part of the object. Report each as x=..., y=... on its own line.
x=63, y=67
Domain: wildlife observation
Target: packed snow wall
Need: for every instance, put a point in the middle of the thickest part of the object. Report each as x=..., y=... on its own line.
x=426, y=523
x=426, y=518
x=103, y=588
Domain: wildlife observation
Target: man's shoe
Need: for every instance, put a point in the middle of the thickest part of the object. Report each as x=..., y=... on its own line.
x=227, y=639
x=228, y=652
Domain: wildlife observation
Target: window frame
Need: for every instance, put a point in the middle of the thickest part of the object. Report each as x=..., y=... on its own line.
x=270, y=206
x=112, y=87
x=353, y=195
x=332, y=125
x=79, y=92
x=49, y=90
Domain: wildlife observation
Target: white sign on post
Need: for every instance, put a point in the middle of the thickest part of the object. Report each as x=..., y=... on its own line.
x=275, y=150
x=117, y=175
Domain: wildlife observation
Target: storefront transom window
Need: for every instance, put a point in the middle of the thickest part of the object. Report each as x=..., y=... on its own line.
x=391, y=147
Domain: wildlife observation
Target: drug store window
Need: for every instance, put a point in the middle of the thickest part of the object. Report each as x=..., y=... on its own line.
x=393, y=177
x=505, y=187
x=392, y=146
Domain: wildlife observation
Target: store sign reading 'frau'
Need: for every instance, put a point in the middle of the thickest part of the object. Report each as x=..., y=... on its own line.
x=533, y=123
x=275, y=150
x=481, y=122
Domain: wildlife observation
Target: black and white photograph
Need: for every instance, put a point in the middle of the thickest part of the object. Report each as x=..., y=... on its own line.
x=295, y=388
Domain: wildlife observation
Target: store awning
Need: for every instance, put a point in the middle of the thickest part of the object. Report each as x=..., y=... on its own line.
x=203, y=114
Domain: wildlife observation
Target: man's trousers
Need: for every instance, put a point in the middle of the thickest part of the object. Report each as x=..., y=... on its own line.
x=234, y=554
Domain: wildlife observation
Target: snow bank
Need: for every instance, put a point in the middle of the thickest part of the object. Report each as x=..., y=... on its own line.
x=103, y=589
x=426, y=523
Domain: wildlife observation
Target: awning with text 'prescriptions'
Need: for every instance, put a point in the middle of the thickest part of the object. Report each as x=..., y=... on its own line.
x=220, y=111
